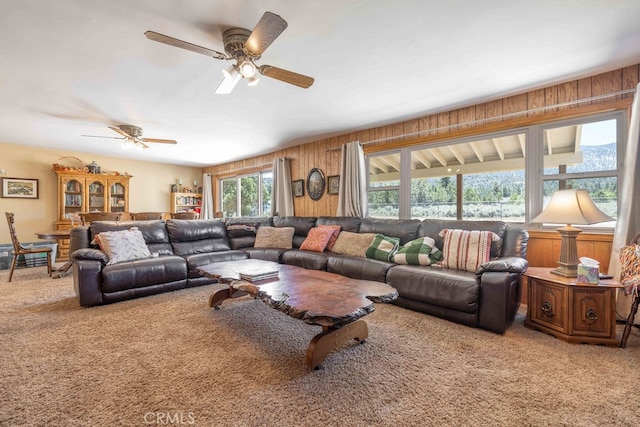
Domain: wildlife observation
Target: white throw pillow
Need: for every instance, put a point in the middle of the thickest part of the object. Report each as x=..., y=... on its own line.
x=124, y=245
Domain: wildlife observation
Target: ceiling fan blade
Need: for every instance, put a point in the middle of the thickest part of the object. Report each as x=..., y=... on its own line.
x=100, y=136
x=159, y=141
x=286, y=76
x=266, y=31
x=120, y=131
x=157, y=37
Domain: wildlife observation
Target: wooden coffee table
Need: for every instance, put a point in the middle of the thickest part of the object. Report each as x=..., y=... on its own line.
x=330, y=300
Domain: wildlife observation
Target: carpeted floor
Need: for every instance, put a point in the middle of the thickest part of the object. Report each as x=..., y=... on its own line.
x=171, y=360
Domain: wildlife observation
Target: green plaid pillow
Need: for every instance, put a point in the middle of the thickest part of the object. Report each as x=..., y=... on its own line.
x=383, y=247
x=421, y=251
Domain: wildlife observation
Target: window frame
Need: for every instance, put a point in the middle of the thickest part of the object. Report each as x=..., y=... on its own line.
x=533, y=161
x=238, y=179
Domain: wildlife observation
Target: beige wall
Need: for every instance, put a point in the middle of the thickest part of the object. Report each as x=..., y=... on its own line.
x=149, y=190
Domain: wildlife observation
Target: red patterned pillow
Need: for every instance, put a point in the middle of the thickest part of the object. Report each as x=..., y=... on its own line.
x=317, y=239
x=334, y=236
x=466, y=250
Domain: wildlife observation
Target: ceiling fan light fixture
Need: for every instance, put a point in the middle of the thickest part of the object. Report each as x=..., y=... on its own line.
x=253, y=80
x=231, y=73
x=247, y=69
x=231, y=78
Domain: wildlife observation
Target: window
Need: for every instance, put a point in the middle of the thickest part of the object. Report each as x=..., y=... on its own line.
x=384, y=185
x=495, y=176
x=248, y=195
x=590, y=163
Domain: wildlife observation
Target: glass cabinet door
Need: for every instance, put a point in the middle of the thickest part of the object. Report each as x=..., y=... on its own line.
x=96, y=196
x=118, y=198
x=73, y=197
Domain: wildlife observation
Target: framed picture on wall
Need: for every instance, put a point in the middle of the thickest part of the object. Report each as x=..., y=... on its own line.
x=298, y=187
x=20, y=188
x=333, y=184
x=315, y=184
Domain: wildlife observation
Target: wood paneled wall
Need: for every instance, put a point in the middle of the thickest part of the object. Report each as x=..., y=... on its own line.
x=325, y=153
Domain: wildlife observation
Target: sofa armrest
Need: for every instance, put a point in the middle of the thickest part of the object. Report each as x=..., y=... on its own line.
x=500, y=295
x=506, y=265
x=90, y=254
x=87, y=281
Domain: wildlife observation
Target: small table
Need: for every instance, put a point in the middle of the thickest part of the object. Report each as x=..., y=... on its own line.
x=64, y=268
x=316, y=297
x=575, y=312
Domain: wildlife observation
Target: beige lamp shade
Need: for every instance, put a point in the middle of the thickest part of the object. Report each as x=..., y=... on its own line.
x=571, y=207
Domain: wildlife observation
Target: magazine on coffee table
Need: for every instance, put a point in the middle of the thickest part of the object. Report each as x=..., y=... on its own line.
x=259, y=274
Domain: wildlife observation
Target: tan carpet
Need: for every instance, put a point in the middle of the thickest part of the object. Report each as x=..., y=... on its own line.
x=171, y=360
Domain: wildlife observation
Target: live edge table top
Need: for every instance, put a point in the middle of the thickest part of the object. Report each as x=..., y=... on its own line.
x=315, y=297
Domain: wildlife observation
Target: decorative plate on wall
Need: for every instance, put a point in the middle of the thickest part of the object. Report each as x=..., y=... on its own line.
x=315, y=183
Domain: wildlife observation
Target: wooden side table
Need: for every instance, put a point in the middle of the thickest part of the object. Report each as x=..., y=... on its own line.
x=578, y=313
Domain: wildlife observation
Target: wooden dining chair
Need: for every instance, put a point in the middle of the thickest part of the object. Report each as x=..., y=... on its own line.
x=143, y=216
x=19, y=250
x=184, y=215
x=88, y=217
x=630, y=279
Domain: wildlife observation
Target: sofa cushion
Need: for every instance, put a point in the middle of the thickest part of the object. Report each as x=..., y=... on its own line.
x=353, y=244
x=334, y=235
x=383, y=247
x=129, y=275
x=242, y=230
x=421, y=251
x=267, y=254
x=358, y=267
x=346, y=223
x=317, y=239
x=154, y=232
x=196, y=237
x=274, y=237
x=403, y=229
x=433, y=227
x=466, y=250
x=302, y=225
x=453, y=289
x=306, y=259
x=123, y=245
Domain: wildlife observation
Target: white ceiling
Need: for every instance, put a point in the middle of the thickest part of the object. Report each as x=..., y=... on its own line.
x=74, y=67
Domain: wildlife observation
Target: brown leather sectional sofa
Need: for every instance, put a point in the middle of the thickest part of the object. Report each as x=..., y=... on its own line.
x=488, y=298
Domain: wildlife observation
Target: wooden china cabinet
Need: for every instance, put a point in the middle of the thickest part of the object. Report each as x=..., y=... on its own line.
x=88, y=192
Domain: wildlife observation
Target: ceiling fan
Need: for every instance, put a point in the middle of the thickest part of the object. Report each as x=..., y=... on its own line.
x=245, y=47
x=131, y=136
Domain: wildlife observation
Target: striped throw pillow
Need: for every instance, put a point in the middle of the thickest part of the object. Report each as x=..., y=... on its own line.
x=466, y=249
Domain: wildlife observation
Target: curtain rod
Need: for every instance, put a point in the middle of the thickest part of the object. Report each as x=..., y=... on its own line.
x=263, y=165
x=490, y=119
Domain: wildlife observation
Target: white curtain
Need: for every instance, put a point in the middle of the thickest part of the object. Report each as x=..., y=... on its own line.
x=282, y=194
x=207, y=197
x=628, y=223
x=352, y=196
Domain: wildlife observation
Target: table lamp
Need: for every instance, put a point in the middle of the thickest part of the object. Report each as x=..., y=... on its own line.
x=570, y=207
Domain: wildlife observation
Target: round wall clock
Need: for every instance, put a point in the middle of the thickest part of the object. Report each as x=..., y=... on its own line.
x=315, y=183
